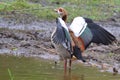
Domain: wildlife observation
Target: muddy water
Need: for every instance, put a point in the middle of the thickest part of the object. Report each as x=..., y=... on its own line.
x=21, y=68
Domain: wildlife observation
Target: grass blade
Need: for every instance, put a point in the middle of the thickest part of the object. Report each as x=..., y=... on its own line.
x=10, y=74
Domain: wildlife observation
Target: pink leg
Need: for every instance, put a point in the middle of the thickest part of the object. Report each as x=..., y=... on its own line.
x=65, y=66
x=70, y=62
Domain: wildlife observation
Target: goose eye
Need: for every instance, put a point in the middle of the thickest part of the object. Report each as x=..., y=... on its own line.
x=60, y=10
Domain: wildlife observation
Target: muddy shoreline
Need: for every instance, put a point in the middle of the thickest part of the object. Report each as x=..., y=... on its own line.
x=33, y=39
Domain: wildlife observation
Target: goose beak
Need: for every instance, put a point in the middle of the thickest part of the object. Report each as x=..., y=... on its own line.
x=55, y=10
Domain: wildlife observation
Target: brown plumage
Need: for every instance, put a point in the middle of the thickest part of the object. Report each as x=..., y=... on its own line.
x=77, y=41
x=62, y=12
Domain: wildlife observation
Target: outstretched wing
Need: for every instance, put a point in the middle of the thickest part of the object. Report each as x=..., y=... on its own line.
x=61, y=35
x=100, y=35
x=88, y=20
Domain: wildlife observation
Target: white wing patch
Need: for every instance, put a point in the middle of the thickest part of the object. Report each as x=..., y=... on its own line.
x=78, y=26
x=63, y=24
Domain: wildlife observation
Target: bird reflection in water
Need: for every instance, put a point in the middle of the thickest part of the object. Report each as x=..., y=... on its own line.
x=73, y=77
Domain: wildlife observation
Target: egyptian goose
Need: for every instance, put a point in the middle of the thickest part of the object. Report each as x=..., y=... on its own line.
x=61, y=40
x=84, y=31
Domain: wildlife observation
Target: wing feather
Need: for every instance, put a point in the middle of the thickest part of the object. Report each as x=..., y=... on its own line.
x=100, y=35
x=61, y=35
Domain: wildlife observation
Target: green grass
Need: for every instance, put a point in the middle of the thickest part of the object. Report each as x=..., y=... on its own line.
x=24, y=7
x=95, y=9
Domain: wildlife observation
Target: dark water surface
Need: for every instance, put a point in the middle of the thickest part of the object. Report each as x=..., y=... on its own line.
x=22, y=68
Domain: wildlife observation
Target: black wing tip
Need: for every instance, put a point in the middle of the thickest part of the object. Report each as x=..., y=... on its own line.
x=107, y=39
x=101, y=35
x=114, y=40
x=110, y=39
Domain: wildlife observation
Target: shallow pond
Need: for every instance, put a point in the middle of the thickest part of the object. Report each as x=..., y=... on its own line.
x=22, y=68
